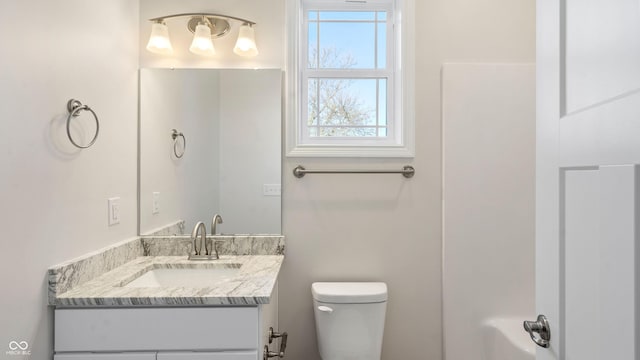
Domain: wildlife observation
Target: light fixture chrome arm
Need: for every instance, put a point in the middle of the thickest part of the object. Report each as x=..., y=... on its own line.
x=161, y=18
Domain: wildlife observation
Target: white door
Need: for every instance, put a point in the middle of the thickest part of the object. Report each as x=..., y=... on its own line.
x=587, y=178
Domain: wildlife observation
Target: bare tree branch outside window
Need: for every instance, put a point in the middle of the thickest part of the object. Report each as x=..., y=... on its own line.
x=335, y=109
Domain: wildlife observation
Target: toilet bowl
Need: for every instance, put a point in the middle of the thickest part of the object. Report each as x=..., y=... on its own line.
x=349, y=319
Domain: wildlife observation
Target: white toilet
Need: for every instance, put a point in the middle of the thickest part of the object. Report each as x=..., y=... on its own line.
x=349, y=319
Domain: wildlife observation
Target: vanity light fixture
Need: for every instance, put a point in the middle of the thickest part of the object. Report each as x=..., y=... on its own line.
x=159, y=42
x=246, y=44
x=202, y=43
x=205, y=27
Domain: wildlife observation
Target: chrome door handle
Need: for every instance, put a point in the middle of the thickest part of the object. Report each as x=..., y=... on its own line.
x=540, y=327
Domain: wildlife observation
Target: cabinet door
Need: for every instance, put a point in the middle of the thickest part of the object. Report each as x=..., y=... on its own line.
x=240, y=355
x=113, y=356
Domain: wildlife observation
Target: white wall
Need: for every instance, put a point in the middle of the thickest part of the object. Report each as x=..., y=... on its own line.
x=387, y=228
x=267, y=14
x=488, y=208
x=189, y=101
x=54, y=197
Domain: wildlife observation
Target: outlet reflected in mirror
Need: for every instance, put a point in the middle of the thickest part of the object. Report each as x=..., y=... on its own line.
x=231, y=150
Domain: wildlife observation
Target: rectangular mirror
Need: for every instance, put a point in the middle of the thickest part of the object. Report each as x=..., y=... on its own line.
x=224, y=157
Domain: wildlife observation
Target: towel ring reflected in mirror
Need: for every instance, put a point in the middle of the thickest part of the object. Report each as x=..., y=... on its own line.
x=175, y=135
x=75, y=107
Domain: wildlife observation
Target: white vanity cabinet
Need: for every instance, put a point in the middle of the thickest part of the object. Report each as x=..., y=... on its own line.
x=240, y=355
x=124, y=356
x=164, y=333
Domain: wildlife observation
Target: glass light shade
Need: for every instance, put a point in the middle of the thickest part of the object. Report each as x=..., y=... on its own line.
x=246, y=44
x=159, y=42
x=202, y=44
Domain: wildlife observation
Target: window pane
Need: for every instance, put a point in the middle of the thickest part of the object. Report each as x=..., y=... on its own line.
x=313, y=15
x=350, y=102
x=382, y=102
x=347, y=45
x=347, y=132
x=382, y=45
x=347, y=15
x=347, y=107
x=313, y=45
x=312, y=118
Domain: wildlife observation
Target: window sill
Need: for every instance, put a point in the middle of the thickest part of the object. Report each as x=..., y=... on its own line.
x=351, y=151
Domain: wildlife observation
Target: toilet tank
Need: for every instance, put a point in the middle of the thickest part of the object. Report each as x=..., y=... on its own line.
x=349, y=319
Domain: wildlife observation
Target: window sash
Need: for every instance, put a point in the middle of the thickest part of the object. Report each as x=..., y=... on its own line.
x=393, y=124
x=388, y=22
x=379, y=126
x=389, y=124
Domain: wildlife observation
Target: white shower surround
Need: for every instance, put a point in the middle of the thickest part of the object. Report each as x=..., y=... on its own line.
x=488, y=211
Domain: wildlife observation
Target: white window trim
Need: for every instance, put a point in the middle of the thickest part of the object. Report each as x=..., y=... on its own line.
x=405, y=145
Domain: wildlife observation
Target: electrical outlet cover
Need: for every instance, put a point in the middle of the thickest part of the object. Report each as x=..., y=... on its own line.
x=271, y=190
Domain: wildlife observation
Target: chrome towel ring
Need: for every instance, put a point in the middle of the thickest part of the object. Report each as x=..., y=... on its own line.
x=174, y=135
x=75, y=107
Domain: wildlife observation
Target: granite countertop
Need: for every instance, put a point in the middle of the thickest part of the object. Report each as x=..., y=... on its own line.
x=252, y=285
x=99, y=278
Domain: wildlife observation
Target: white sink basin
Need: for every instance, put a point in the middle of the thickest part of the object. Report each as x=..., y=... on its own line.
x=180, y=277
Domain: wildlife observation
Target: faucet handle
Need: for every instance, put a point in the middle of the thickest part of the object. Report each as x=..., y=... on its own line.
x=215, y=247
x=207, y=251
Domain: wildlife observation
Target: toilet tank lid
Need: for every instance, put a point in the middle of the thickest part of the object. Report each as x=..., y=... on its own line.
x=349, y=292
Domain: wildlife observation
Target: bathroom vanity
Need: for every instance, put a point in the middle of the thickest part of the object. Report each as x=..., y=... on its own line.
x=186, y=333
x=133, y=308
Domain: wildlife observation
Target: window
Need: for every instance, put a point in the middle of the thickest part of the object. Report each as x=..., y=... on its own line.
x=350, y=94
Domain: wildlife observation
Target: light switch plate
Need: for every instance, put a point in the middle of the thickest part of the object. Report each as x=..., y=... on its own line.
x=114, y=211
x=155, y=208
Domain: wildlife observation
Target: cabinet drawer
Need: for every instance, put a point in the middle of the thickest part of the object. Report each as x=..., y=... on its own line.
x=133, y=356
x=156, y=329
x=244, y=355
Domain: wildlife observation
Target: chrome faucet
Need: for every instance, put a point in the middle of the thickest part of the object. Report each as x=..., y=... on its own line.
x=202, y=230
x=217, y=219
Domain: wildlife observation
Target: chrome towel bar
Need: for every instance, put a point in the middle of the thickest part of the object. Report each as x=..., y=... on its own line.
x=407, y=171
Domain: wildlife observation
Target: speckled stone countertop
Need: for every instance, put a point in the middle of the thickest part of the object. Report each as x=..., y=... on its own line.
x=252, y=285
x=99, y=279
